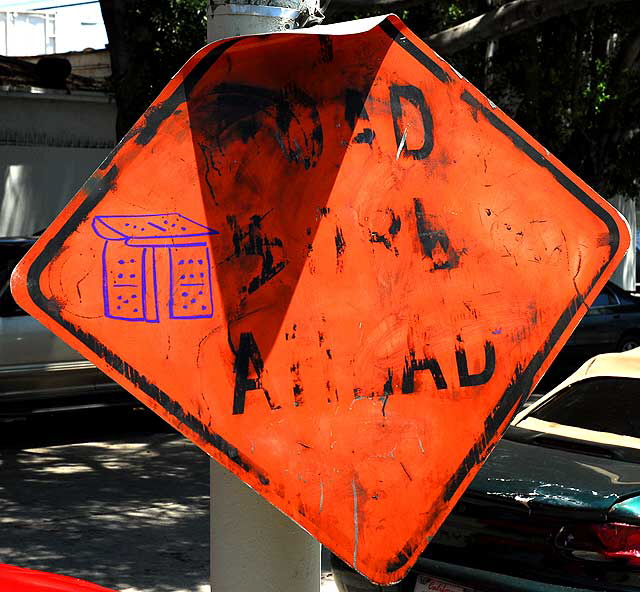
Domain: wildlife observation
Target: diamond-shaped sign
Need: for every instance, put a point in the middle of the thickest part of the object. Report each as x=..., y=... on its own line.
x=336, y=267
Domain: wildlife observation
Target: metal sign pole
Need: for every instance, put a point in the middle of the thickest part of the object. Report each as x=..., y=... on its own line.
x=254, y=547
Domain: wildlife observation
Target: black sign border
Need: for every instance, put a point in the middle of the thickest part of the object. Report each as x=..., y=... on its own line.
x=97, y=187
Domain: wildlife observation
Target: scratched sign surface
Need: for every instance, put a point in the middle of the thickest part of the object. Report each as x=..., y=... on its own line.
x=339, y=278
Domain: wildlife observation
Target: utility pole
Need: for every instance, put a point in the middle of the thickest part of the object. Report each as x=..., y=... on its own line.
x=254, y=547
x=242, y=17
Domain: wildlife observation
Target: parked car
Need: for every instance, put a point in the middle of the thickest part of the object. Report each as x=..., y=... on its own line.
x=611, y=324
x=556, y=507
x=37, y=370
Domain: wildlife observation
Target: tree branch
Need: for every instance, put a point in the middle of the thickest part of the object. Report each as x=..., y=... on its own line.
x=629, y=54
x=510, y=18
x=357, y=4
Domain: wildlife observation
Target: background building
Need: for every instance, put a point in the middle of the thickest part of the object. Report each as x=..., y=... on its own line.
x=35, y=28
x=58, y=119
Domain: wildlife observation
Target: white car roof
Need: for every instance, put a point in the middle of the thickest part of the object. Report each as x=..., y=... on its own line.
x=623, y=364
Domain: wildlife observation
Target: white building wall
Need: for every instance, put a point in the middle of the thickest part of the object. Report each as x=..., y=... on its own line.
x=67, y=28
x=48, y=148
x=80, y=27
x=27, y=33
x=625, y=275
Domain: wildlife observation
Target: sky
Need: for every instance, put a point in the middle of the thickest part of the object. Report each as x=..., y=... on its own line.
x=40, y=4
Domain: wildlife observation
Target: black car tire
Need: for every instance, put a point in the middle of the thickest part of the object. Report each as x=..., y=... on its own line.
x=628, y=342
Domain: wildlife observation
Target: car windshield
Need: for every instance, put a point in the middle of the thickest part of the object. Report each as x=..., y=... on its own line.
x=599, y=404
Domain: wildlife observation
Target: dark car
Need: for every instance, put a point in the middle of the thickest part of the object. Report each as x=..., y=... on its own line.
x=556, y=507
x=39, y=372
x=611, y=324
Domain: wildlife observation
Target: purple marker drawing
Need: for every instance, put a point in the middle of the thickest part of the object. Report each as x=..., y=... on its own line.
x=129, y=278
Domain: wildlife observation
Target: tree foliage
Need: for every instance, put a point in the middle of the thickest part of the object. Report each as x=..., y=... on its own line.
x=506, y=19
x=149, y=41
x=576, y=90
x=569, y=80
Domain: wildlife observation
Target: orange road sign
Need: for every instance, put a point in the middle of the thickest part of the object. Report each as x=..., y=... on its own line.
x=334, y=265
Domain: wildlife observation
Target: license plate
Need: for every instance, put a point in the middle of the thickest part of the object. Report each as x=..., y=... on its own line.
x=429, y=584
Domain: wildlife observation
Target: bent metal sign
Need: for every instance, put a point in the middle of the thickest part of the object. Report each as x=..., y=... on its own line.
x=340, y=278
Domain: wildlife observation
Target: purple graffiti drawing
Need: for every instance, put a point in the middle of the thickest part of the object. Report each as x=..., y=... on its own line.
x=129, y=275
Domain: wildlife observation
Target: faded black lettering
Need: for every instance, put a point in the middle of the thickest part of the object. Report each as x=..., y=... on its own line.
x=434, y=241
x=354, y=108
x=412, y=365
x=412, y=95
x=246, y=353
x=483, y=377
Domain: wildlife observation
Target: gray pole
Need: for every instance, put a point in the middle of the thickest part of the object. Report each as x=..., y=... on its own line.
x=254, y=547
x=246, y=17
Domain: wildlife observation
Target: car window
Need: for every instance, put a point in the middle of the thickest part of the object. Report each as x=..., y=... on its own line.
x=11, y=251
x=628, y=298
x=605, y=298
x=600, y=404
